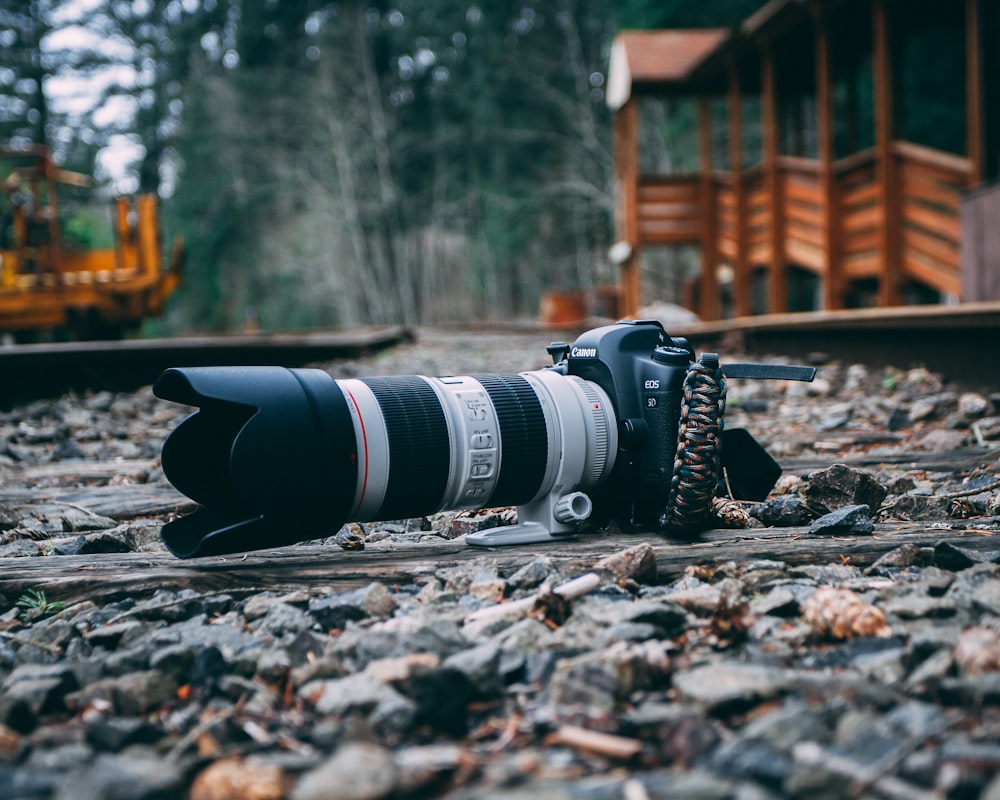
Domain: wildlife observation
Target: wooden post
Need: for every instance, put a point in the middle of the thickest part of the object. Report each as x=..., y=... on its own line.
x=769, y=114
x=889, y=290
x=973, y=92
x=627, y=191
x=833, y=294
x=741, y=281
x=708, y=301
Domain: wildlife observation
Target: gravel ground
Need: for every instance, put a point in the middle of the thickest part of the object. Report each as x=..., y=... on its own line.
x=745, y=679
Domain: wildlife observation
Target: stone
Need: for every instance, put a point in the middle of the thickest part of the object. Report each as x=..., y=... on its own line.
x=239, y=779
x=282, y=618
x=972, y=405
x=854, y=519
x=424, y=766
x=442, y=697
x=481, y=666
x=357, y=771
x=335, y=611
x=532, y=575
x=750, y=760
x=637, y=563
x=175, y=660
x=906, y=555
x=42, y=687
x=130, y=695
x=781, y=601
x=977, y=651
x=840, y=485
x=119, y=539
x=783, y=511
x=114, y=734
x=726, y=686
x=359, y=692
x=123, y=777
x=940, y=440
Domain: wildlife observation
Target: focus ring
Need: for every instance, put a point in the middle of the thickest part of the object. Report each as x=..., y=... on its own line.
x=598, y=459
x=419, y=446
x=524, y=444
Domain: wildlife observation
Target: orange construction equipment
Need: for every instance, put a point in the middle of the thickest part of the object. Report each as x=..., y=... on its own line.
x=48, y=283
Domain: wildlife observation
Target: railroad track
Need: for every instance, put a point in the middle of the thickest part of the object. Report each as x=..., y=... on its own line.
x=33, y=371
x=961, y=342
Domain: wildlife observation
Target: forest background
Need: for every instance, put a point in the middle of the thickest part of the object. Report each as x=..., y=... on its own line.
x=337, y=164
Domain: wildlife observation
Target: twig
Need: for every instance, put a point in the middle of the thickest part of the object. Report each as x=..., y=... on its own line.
x=605, y=744
x=24, y=640
x=196, y=732
x=570, y=590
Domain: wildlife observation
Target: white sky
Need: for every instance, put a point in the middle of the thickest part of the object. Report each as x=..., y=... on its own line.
x=76, y=95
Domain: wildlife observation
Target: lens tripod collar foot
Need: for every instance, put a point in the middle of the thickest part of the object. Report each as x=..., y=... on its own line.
x=522, y=533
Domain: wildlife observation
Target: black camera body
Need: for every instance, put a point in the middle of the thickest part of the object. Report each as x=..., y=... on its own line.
x=642, y=369
x=277, y=455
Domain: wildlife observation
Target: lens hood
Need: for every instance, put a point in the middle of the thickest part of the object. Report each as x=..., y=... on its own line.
x=270, y=455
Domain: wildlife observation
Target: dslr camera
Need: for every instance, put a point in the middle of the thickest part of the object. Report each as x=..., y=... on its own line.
x=275, y=455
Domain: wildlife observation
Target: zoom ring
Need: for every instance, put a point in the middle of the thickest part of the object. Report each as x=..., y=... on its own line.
x=524, y=444
x=419, y=446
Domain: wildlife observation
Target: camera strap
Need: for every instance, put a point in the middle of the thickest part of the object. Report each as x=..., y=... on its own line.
x=698, y=455
x=779, y=372
x=697, y=458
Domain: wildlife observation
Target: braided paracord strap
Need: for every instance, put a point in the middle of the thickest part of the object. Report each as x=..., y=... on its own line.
x=697, y=458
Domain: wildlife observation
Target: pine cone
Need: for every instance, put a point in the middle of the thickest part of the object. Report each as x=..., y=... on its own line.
x=842, y=614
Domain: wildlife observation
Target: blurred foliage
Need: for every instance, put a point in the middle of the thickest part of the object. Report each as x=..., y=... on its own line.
x=342, y=163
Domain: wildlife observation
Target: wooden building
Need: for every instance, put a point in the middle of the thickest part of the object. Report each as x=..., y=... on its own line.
x=834, y=169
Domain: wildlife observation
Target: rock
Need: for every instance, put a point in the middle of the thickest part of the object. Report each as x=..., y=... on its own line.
x=119, y=539
x=954, y=558
x=907, y=555
x=846, y=519
x=335, y=611
x=350, y=537
x=939, y=441
x=482, y=519
x=725, y=687
x=239, y=779
x=357, y=771
x=780, y=602
x=481, y=666
x=783, y=511
x=170, y=606
x=756, y=761
x=637, y=563
x=977, y=651
x=532, y=575
x=972, y=405
x=424, y=766
x=42, y=687
x=597, y=681
x=122, y=777
x=358, y=692
x=442, y=697
x=988, y=428
x=282, y=618
x=131, y=694
x=840, y=485
x=114, y=734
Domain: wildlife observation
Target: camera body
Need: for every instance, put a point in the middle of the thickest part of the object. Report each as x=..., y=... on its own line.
x=277, y=455
x=641, y=369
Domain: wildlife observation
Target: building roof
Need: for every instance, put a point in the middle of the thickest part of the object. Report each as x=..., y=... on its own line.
x=659, y=57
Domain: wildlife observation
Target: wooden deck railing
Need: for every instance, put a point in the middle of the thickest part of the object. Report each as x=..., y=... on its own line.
x=927, y=182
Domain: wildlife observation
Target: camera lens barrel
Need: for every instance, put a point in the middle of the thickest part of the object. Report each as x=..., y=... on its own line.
x=468, y=441
x=281, y=455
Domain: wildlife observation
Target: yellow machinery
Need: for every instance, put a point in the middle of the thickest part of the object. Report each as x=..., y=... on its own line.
x=50, y=283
